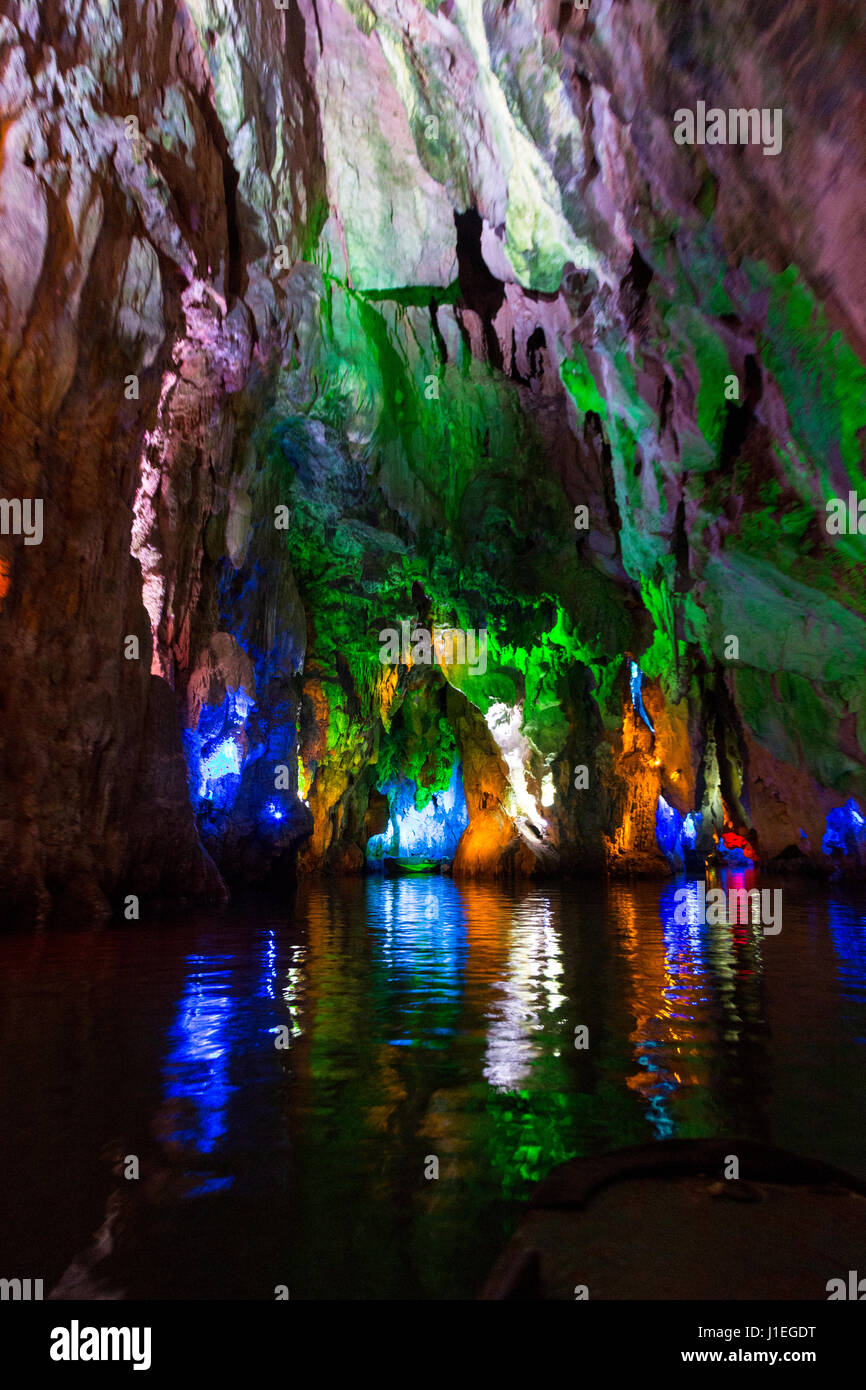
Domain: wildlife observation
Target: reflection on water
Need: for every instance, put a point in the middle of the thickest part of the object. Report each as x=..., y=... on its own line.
x=698, y=994
x=285, y=1079
x=528, y=993
x=196, y=1067
x=848, y=929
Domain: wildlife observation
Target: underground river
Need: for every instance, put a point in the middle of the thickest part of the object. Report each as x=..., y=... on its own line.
x=283, y=1077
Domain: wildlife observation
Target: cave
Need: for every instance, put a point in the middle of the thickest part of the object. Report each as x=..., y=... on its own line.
x=430, y=539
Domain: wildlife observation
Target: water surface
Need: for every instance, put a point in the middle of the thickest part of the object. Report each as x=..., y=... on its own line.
x=423, y=1020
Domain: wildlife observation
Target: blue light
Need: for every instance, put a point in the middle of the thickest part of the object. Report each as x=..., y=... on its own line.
x=274, y=811
x=196, y=1069
x=677, y=836
x=846, y=830
x=420, y=936
x=216, y=754
x=848, y=930
x=224, y=761
x=691, y=826
x=635, y=681
x=669, y=829
x=432, y=833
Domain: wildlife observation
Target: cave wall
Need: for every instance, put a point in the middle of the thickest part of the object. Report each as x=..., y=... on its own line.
x=426, y=277
x=137, y=324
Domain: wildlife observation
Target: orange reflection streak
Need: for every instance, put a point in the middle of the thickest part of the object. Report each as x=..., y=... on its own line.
x=488, y=929
x=663, y=972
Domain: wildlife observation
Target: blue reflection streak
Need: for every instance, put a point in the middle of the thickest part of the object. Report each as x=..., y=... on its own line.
x=196, y=1069
x=848, y=932
x=424, y=949
x=686, y=962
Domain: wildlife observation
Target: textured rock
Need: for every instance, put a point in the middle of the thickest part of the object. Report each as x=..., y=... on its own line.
x=321, y=319
x=120, y=258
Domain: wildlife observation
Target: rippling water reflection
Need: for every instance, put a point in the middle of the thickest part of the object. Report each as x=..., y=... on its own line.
x=286, y=1080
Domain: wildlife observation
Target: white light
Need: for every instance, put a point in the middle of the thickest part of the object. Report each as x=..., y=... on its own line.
x=504, y=724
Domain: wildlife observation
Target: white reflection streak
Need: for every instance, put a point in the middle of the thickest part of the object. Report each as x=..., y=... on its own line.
x=535, y=966
x=292, y=992
x=269, y=969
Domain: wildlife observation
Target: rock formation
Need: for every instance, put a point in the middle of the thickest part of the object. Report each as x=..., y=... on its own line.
x=323, y=317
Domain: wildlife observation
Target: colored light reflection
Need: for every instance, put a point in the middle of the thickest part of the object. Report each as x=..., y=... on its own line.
x=196, y=1068
x=848, y=931
x=292, y=992
x=666, y=968
x=530, y=990
x=268, y=978
x=694, y=999
x=423, y=949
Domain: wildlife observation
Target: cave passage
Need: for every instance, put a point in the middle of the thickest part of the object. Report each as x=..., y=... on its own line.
x=433, y=648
